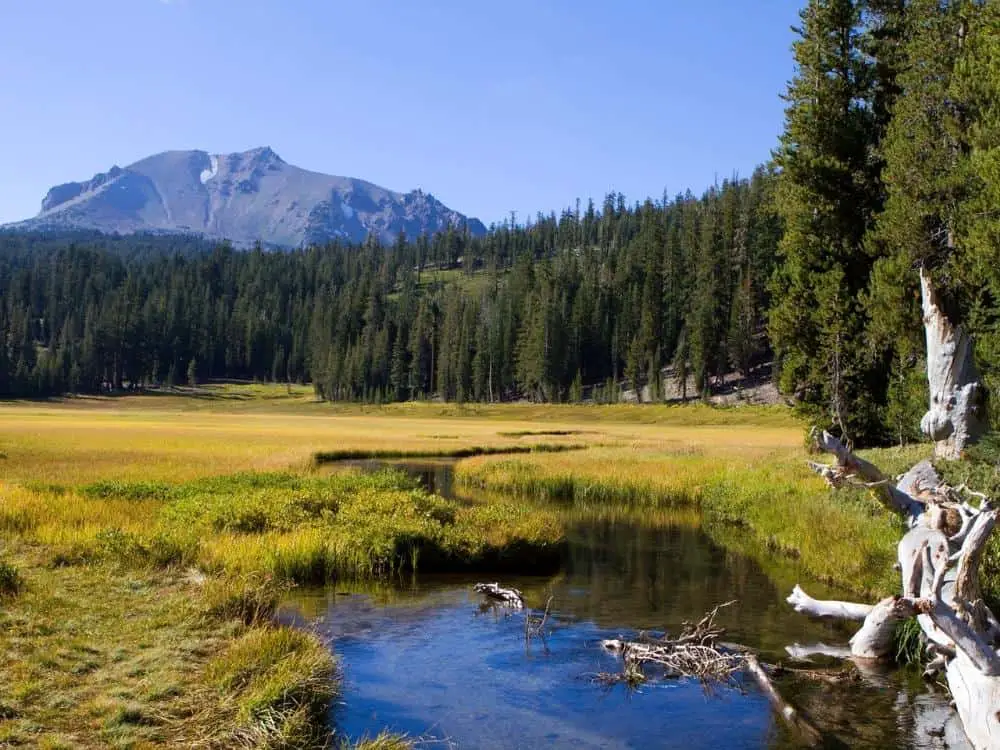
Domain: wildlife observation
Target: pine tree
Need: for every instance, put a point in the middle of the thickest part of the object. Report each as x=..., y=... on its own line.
x=829, y=192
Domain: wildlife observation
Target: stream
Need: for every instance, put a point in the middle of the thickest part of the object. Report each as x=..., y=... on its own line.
x=427, y=658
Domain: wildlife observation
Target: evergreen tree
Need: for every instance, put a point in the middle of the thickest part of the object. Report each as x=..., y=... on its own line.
x=829, y=192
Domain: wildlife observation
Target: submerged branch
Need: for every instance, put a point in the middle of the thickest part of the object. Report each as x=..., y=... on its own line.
x=509, y=597
x=807, y=732
x=698, y=653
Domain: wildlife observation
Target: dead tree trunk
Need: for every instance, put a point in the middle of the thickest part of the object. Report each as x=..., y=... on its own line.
x=939, y=556
x=954, y=419
x=939, y=560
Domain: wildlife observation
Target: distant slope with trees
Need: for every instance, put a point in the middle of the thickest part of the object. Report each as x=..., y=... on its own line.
x=601, y=297
x=889, y=161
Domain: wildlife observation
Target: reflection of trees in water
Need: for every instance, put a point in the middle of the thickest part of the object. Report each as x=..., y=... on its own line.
x=890, y=709
x=624, y=574
x=620, y=574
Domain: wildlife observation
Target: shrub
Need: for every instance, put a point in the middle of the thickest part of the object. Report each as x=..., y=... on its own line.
x=11, y=582
x=135, y=550
x=113, y=488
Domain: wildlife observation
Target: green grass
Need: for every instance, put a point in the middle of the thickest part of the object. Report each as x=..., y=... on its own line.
x=384, y=741
x=251, y=599
x=191, y=512
x=908, y=642
x=194, y=569
x=95, y=657
x=284, y=526
x=844, y=539
x=279, y=683
x=353, y=454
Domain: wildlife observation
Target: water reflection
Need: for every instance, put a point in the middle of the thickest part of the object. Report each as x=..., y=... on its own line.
x=420, y=657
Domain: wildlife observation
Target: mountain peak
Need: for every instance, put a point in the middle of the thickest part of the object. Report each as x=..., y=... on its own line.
x=245, y=197
x=263, y=155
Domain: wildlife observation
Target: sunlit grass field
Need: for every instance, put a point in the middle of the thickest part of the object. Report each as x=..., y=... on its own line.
x=225, y=429
x=186, y=512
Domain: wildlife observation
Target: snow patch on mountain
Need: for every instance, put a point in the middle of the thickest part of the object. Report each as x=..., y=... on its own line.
x=212, y=171
x=249, y=197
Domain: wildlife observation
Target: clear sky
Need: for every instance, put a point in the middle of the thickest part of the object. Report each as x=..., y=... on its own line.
x=491, y=105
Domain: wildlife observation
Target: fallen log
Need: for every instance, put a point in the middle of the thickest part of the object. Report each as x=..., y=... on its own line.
x=940, y=555
x=698, y=653
x=938, y=558
x=793, y=718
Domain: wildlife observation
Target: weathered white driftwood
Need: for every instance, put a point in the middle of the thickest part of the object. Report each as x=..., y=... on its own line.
x=940, y=554
x=954, y=419
x=939, y=581
x=508, y=597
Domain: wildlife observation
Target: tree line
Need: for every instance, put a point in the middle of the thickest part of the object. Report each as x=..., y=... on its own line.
x=889, y=161
x=593, y=300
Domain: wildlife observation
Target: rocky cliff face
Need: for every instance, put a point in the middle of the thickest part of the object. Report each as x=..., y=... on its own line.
x=245, y=198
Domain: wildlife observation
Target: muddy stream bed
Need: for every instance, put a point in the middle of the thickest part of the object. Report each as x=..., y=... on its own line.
x=425, y=657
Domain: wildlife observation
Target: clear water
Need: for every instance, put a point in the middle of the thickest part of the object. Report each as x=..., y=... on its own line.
x=426, y=657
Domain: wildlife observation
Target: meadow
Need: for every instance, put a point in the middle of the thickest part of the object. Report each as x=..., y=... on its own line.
x=146, y=539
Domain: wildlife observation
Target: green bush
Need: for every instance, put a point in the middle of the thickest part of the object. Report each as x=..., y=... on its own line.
x=11, y=582
x=114, y=488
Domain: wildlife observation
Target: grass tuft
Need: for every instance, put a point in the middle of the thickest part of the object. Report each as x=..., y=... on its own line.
x=251, y=599
x=11, y=582
x=908, y=642
x=279, y=682
x=384, y=741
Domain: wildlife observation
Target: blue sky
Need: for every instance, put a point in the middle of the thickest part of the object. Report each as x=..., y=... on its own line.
x=491, y=106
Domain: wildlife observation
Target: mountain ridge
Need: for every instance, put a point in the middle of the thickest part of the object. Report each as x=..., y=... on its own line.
x=243, y=197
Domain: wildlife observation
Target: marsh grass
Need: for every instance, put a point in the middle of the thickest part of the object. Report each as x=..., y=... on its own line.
x=251, y=599
x=77, y=673
x=287, y=527
x=908, y=642
x=349, y=454
x=191, y=512
x=384, y=741
x=198, y=567
x=278, y=682
x=844, y=539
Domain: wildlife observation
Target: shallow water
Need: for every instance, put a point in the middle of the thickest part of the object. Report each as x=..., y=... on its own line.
x=425, y=657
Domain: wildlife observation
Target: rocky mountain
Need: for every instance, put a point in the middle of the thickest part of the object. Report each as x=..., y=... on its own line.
x=244, y=197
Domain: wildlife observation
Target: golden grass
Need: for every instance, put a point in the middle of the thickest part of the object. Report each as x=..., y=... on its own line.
x=753, y=483
x=104, y=500
x=238, y=428
x=97, y=658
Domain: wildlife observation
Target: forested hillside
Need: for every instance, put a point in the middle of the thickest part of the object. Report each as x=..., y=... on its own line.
x=889, y=161
x=537, y=311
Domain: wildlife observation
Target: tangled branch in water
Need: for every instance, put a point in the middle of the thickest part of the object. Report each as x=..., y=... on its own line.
x=695, y=653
